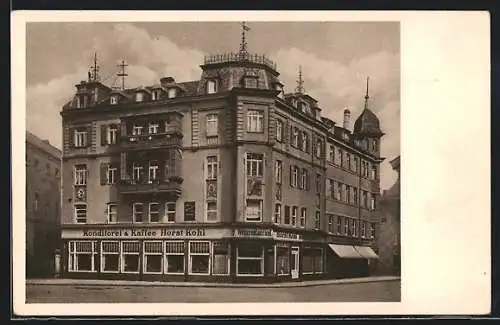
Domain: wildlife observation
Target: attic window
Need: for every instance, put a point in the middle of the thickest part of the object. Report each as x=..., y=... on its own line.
x=279, y=88
x=211, y=86
x=172, y=93
x=156, y=94
x=113, y=100
x=139, y=97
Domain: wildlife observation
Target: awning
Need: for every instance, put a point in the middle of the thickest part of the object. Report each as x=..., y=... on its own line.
x=366, y=252
x=345, y=251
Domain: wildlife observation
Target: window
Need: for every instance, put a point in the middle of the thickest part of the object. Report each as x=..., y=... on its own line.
x=338, y=190
x=137, y=129
x=154, y=212
x=111, y=134
x=110, y=256
x=294, y=215
x=212, y=125
x=139, y=97
x=330, y=224
x=319, y=145
x=348, y=194
x=255, y=164
x=221, y=258
x=294, y=176
x=253, y=210
x=330, y=192
x=317, y=220
x=287, y=215
x=137, y=173
x=372, y=201
x=211, y=86
x=111, y=213
x=174, y=257
x=189, y=211
x=304, y=179
x=279, y=130
x=374, y=145
x=155, y=95
x=374, y=172
x=372, y=230
x=331, y=154
x=363, y=229
x=295, y=138
x=82, y=256
x=199, y=257
x=130, y=256
x=348, y=161
x=312, y=260
x=111, y=175
x=303, y=213
x=355, y=196
x=81, y=175
x=170, y=211
x=113, y=100
x=250, y=259
x=212, y=210
x=81, y=213
x=364, y=200
x=35, y=203
x=339, y=157
x=153, y=128
x=212, y=167
x=318, y=183
x=278, y=171
x=283, y=260
x=153, y=171
x=277, y=213
x=172, y=92
x=355, y=164
x=137, y=212
x=356, y=228
x=305, y=142
x=153, y=257
x=80, y=138
x=339, y=225
x=346, y=226
x=351, y=226
x=255, y=121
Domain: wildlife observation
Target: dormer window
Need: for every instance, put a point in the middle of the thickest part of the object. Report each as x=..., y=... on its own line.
x=172, y=93
x=113, y=100
x=139, y=97
x=81, y=101
x=345, y=136
x=211, y=86
x=153, y=128
x=279, y=88
x=137, y=130
x=155, y=95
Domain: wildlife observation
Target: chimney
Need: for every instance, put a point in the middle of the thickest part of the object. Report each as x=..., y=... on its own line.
x=167, y=81
x=347, y=118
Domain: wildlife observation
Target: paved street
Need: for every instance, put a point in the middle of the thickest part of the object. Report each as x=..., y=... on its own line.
x=346, y=292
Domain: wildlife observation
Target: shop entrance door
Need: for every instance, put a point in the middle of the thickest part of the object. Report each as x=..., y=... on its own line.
x=294, y=265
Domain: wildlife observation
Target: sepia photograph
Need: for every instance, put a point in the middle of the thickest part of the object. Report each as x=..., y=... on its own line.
x=240, y=161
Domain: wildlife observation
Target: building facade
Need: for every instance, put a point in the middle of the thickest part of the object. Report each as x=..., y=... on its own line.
x=389, y=240
x=225, y=178
x=43, y=201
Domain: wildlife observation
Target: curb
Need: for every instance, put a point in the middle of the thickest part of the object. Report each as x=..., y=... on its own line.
x=204, y=285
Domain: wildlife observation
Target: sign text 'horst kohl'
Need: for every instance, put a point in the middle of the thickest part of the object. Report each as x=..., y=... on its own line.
x=165, y=232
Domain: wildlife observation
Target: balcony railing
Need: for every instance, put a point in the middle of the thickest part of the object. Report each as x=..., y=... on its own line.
x=239, y=57
x=172, y=186
x=159, y=140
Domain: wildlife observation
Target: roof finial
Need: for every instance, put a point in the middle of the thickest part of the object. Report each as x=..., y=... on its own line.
x=300, y=82
x=367, y=96
x=121, y=73
x=243, y=44
x=94, y=70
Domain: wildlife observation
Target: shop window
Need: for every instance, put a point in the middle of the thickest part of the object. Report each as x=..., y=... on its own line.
x=130, y=256
x=318, y=260
x=220, y=258
x=82, y=256
x=170, y=211
x=153, y=257
x=283, y=260
x=250, y=259
x=199, y=257
x=312, y=260
x=110, y=256
x=174, y=257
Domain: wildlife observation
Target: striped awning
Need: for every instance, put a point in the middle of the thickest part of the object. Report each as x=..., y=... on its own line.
x=345, y=251
x=366, y=252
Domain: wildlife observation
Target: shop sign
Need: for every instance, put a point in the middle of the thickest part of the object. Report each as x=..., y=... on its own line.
x=267, y=233
x=149, y=233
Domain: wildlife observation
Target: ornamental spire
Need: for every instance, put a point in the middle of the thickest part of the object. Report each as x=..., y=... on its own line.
x=367, y=96
x=300, y=82
x=243, y=44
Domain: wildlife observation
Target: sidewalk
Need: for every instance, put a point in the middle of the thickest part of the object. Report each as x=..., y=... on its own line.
x=204, y=284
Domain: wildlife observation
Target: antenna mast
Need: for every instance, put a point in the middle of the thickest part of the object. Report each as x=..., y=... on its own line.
x=367, y=96
x=121, y=73
x=300, y=82
x=94, y=70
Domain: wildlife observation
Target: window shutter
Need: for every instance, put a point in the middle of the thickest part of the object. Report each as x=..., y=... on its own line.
x=71, y=137
x=89, y=136
x=291, y=134
x=291, y=175
x=103, y=134
x=104, y=168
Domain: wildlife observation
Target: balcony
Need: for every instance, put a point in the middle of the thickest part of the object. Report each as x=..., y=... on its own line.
x=152, y=141
x=239, y=57
x=171, y=186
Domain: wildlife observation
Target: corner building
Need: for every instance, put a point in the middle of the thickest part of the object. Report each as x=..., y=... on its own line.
x=221, y=179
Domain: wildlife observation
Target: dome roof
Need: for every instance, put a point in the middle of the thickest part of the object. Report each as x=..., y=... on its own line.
x=367, y=124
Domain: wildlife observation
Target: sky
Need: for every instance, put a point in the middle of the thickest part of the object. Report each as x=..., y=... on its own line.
x=335, y=57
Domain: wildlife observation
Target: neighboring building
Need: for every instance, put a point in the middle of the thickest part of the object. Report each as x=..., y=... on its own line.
x=43, y=200
x=389, y=239
x=225, y=178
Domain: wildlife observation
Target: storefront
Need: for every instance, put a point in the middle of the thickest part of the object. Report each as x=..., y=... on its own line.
x=208, y=254
x=345, y=260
